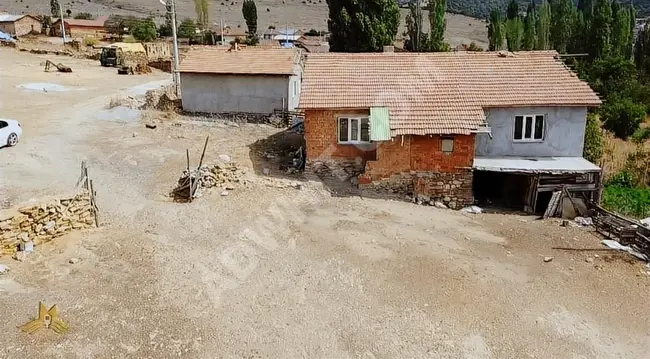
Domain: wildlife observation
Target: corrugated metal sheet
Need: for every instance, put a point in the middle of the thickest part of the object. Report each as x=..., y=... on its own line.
x=379, y=124
x=128, y=47
x=553, y=165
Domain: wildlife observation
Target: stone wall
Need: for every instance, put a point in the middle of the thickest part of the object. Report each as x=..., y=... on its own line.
x=454, y=189
x=42, y=223
x=341, y=169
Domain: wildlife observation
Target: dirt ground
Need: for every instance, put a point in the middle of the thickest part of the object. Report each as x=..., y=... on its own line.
x=279, y=13
x=272, y=271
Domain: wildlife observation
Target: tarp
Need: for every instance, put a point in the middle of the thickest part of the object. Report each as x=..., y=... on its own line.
x=379, y=124
x=128, y=47
x=6, y=37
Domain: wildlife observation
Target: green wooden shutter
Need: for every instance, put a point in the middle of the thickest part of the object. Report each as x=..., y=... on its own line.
x=379, y=125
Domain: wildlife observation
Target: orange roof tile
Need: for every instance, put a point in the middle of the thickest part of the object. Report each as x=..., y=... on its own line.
x=440, y=93
x=247, y=61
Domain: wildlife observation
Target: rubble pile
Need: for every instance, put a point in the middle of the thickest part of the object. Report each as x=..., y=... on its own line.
x=162, y=99
x=226, y=176
x=42, y=223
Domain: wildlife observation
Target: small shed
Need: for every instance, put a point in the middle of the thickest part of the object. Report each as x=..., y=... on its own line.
x=81, y=27
x=19, y=25
x=239, y=79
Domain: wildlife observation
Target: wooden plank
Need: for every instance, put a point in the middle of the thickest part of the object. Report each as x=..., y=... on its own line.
x=189, y=174
x=553, y=204
x=93, y=203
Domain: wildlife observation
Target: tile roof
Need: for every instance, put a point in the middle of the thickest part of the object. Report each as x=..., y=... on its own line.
x=246, y=61
x=440, y=93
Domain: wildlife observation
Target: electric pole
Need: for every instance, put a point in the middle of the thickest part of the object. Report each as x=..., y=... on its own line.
x=175, y=74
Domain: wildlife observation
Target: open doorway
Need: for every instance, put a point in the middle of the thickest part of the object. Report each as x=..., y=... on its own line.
x=500, y=189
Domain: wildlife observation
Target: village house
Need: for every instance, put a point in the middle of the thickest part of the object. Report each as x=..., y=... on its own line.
x=450, y=126
x=236, y=34
x=253, y=80
x=19, y=25
x=81, y=28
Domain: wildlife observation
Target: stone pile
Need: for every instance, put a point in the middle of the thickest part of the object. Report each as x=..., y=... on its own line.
x=42, y=223
x=227, y=176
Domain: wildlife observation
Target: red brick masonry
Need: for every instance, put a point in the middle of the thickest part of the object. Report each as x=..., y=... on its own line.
x=414, y=165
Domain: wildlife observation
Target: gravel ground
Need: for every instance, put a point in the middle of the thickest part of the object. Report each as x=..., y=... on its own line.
x=270, y=271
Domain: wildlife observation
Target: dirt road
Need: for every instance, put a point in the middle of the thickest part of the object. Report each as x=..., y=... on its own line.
x=271, y=272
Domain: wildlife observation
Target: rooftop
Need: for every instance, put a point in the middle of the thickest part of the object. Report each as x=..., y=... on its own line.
x=440, y=93
x=553, y=165
x=11, y=18
x=245, y=61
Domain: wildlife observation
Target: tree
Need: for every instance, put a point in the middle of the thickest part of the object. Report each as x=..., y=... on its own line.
x=600, y=30
x=562, y=15
x=642, y=50
x=249, y=11
x=622, y=116
x=145, y=30
x=513, y=10
x=438, y=24
x=496, y=31
x=55, y=8
x=84, y=16
x=187, y=28
x=514, y=33
x=473, y=47
x=594, y=146
x=202, y=14
x=166, y=28
x=362, y=25
x=544, y=26
x=530, y=28
x=417, y=39
x=621, y=31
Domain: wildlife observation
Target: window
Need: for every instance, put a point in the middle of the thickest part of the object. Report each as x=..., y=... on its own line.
x=354, y=130
x=295, y=88
x=448, y=145
x=3, y=124
x=529, y=128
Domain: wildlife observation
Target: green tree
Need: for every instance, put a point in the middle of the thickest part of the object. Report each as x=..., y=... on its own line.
x=202, y=14
x=544, y=26
x=84, y=16
x=55, y=8
x=642, y=50
x=621, y=31
x=249, y=11
x=514, y=33
x=362, y=25
x=562, y=17
x=594, y=146
x=438, y=24
x=417, y=39
x=166, y=28
x=622, y=116
x=530, y=28
x=513, y=10
x=187, y=28
x=496, y=31
x=577, y=41
x=145, y=30
x=473, y=47
x=600, y=30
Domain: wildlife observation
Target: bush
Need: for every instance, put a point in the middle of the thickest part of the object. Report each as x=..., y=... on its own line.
x=252, y=40
x=187, y=29
x=623, y=179
x=84, y=16
x=627, y=201
x=90, y=41
x=145, y=31
x=622, y=116
x=314, y=32
x=594, y=139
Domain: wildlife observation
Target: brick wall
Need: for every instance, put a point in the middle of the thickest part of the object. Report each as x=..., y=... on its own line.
x=321, y=136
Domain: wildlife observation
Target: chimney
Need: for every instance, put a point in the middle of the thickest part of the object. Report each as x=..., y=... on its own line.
x=389, y=48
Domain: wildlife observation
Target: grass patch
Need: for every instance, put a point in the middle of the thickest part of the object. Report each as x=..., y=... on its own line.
x=91, y=41
x=627, y=201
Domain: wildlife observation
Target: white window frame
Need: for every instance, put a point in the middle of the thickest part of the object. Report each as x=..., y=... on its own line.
x=349, y=119
x=523, y=128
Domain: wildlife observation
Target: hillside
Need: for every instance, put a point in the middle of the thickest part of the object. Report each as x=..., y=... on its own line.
x=482, y=8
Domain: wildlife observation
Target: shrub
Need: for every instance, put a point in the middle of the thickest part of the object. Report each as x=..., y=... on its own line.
x=594, y=139
x=84, y=16
x=623, y=179
x=145, y=30
x=187, y=29
x=627, y=201
x=90, y=41
x=622, y=116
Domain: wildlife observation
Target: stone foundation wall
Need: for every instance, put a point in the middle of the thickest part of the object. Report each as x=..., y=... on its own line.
x=336, y=168
x=454, y=189
x=42, y=223
x=241, y=117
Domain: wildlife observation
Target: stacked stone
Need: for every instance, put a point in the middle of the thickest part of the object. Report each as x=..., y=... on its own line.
x=42, y=223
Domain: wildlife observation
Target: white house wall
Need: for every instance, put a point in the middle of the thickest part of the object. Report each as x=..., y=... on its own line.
x=212, y=93
x=564, y=133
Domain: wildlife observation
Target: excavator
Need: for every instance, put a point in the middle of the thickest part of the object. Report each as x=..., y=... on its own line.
x=60, y=67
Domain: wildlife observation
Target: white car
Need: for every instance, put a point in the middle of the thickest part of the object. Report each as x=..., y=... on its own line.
x=10, y=132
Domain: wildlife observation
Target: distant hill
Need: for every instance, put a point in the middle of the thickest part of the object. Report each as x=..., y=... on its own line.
x=482, y=8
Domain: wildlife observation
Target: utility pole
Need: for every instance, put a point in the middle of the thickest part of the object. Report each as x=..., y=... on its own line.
x=62, y=26
x=175, y=75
